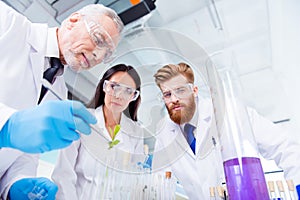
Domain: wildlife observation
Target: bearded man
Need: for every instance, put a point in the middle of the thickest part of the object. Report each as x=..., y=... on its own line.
x=187, y=142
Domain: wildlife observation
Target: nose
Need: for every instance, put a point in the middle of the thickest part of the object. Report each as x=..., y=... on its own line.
x=98, y=54
x=174, y=98
x=118, y=94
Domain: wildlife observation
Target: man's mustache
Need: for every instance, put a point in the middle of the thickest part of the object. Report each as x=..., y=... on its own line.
x=173, y=105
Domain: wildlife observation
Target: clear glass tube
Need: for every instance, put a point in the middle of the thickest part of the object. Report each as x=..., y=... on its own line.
x=243, y=171
x=212, y=193
x=291, y=189
x=280, y=187
x=272, y=191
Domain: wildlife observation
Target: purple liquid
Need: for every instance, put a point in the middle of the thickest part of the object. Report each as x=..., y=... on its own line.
x=246, y=180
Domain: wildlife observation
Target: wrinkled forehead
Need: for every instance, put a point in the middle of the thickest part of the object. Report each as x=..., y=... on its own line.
x=110, y=27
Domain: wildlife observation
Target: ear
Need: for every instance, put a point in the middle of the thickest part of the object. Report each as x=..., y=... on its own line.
x=195, y=91
x=72, y=20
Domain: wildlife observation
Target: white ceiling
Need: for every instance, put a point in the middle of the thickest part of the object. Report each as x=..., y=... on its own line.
x=243, y=35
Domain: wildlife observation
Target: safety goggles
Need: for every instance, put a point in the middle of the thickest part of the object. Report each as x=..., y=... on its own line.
x=181, y=92
x=103, y=41
x=112, y=88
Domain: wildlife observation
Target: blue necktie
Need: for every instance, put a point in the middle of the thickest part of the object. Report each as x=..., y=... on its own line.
x=56, y=69
x=189, y=135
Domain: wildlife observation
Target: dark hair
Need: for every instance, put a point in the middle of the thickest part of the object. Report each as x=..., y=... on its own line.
x=98, y=100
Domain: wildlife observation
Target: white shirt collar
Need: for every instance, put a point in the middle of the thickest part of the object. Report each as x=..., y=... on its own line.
x=127, y=125
x=52, y=49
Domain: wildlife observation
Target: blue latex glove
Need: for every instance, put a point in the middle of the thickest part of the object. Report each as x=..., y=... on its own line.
x=147, y=163
x=298, y=191
x=33, y=189
x=51, y=125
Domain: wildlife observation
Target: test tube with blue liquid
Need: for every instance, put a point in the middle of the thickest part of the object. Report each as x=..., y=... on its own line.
x=244, y=175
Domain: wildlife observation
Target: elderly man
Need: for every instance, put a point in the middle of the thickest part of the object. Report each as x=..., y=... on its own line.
x=30, y=52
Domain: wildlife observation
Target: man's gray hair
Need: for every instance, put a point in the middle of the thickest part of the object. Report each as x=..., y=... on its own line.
x=97, y=10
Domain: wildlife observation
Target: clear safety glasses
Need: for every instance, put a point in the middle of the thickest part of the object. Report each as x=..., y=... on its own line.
x=181, y=92
x=124, y=91
x=104, y=42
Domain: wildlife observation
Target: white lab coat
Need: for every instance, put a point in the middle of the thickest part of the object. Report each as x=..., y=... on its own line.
x=198, y=172
x=23, y=46
x=81, y=167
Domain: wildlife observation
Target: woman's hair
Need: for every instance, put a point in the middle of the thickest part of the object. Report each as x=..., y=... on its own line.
x=98, y=100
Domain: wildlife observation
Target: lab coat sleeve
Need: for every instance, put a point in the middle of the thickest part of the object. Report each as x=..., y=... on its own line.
x=160, y=162
x=157, y=170
x=5, y=19
x=139, y=150
x=23, y=167
x=139, y=142
x=6, y=112
x=64, y=174
x=8, y=26
x=274, y=142
x=158, y=145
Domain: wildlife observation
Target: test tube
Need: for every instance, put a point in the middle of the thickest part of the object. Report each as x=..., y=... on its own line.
x=212, y=193
x=272, y=192
x=169, y=186
x=291, y=188
x=281, y=189
x=220, y=191
x=158, y=187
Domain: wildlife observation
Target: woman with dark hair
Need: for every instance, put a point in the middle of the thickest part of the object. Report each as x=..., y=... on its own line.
x=98, y=100
x=115, y=106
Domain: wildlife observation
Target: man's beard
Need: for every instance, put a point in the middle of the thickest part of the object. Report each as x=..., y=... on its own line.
x=69, y=57
x=71, y=60
x=184, y=115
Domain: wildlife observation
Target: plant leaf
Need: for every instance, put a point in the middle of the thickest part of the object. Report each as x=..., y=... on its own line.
x=117, y=129
x=110, y=145
x=115, y=142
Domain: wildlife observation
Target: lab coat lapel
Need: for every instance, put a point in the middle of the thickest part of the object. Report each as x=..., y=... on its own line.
x=36, y=60
x=101, y=123
x=206, y=131
x=182, y=143
x=172, y=144
x=125, y=129
x=206, y=135
x=38, y=41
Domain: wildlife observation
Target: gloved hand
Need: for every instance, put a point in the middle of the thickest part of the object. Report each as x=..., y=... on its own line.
x=32, y=189
x=298, y=191
x=51, y=125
